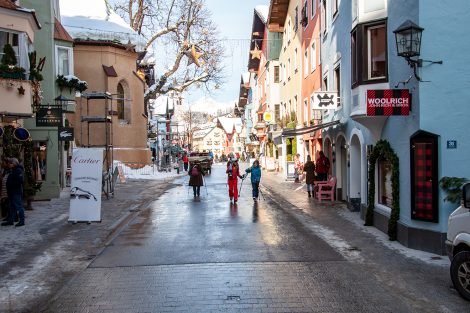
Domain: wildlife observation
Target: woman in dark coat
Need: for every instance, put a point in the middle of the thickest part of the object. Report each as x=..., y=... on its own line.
x=309, y=169
x=196, y=180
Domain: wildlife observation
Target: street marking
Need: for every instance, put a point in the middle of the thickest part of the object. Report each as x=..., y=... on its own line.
x=298, y=188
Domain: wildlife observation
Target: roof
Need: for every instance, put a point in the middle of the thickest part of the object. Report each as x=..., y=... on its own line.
x=277, y=15
x=8, y=4
x=60, y=33
x=263, y=12
x=230, y=124
x=90, y=20
x=257, y=36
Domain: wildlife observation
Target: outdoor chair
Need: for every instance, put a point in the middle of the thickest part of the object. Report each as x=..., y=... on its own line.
x=325, y=190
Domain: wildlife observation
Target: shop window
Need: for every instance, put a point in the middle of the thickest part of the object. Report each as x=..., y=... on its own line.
x=424, y=180
x=369, y=67
x=385, y=182
x=40, y=160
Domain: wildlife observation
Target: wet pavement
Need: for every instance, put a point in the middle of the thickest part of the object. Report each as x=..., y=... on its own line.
x=285, y=253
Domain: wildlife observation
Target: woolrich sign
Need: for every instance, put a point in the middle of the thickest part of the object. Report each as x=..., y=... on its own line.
x=388, y=102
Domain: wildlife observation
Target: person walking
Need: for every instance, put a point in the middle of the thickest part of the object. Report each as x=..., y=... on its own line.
x=14, y=185
x=185, y=162
x=322, y=167
x=233, y=173
x=309, y=169
x=196, y=180
x=255, y=171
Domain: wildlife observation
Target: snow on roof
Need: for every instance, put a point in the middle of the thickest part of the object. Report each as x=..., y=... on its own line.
x=231, y=123
x=246, y=77
x=93, y=20
x=202, y=133
x=263, y=12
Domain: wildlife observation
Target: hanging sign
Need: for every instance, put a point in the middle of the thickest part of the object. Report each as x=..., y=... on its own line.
x=268, y=117
x=388, y=102
x=85, y=188
x=66, y=134
x=49, y=117
x=325, y=100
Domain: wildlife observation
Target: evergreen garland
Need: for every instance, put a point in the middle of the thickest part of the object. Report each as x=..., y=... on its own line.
x=384, y=150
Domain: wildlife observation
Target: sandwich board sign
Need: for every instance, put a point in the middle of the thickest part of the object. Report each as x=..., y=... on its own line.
x=85, y=188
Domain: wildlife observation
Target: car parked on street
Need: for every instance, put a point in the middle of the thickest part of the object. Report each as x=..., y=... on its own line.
x=458, y=244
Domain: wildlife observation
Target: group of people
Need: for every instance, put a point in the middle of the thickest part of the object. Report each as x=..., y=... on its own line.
x=196, y=179
x=11, y=192
x=321, y=168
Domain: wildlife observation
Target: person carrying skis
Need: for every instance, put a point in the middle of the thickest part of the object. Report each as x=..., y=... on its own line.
x=233, y=173
x=255, y=171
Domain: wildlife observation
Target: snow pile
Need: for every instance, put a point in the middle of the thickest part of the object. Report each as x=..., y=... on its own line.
x=93, y=20
x=147, y=172
x=231, y=124
x=73, y=77
x=263, y=12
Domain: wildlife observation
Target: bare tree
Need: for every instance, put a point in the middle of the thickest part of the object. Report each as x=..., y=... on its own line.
x=185, y=29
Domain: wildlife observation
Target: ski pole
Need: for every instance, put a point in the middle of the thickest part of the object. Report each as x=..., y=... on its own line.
x=241, y=185
x=262, y=194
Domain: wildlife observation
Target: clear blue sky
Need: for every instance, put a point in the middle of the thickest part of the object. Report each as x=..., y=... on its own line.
x=234, y=20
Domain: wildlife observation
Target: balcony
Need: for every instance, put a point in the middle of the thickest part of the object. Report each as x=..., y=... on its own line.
x=15, y=97
x=260, y=125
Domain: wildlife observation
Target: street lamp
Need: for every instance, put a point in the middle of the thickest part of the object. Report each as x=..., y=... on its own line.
x=408, y=39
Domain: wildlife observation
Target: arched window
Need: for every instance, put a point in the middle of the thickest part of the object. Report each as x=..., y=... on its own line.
x=120, y=101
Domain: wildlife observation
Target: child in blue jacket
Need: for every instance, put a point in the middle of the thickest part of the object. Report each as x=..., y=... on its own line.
x=255, y=171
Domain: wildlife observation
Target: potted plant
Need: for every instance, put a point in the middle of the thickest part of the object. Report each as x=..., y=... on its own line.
x=453, y=187
x=71, y=82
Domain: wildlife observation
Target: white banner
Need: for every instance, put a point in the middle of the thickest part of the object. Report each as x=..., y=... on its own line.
x=325, y=100
x=85, y=191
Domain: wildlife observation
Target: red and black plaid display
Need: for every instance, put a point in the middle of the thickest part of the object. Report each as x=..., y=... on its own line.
x=388, y=94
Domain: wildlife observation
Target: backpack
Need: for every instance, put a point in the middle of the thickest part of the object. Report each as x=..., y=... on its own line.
x=194, y=171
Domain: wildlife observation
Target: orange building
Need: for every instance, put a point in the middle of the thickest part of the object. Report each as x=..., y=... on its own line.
x=311, y=74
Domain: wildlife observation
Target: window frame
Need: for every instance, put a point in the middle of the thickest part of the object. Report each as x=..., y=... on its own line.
x=276, y=74
x=306, y=67
x=334, y=8
x=313, y=11
x=70, y=58
x=337, y=81
x=313, y=56
x=369, y=51
x=359, y=60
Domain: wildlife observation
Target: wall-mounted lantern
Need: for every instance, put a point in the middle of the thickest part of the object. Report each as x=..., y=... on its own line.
x=408, y=39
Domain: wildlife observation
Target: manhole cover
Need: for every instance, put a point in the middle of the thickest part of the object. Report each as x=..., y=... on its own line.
x=233, y=298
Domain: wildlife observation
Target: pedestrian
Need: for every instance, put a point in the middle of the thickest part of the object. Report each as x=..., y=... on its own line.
x=322, y=167
x=196, y=179
x=309, y=169
x=14, y=185
x=255, y=171
x=185, y=162
x=4, y=172
x=297, y=168
x=233, y=173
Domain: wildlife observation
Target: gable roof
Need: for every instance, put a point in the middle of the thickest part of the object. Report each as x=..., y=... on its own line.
x=10, y=5
x=60, y=33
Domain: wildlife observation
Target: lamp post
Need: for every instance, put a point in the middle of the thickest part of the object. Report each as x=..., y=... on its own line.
x=408, y=40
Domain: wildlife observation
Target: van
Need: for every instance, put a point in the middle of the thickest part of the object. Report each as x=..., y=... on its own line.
x=458, y=244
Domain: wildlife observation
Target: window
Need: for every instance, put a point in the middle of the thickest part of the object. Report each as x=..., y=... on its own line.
x=288, y=32
x=338, y=83
x=288, y=69
x=40, y=160
x=335, y=5
x=313, y=57
x=277, y=112
x=304, y=17
x=284, y=74
x=377, y=44
x=276, y=74
x=296, y=19
x=295, y=60
x=385, y=182
x=120, y=101
x=324, y=86
x=323, y=16
x=306, y=117
x=13, y=40
x=306, y=63
x=314, y=8
x=369, y=67
x=64, y=61
x=295, y=103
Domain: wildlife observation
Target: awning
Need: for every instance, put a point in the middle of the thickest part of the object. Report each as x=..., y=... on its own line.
x=306, y=130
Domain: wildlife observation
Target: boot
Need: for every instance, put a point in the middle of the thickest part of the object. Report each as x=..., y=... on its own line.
x=309, y=194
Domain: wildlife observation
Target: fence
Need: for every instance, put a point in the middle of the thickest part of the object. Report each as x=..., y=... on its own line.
x=130, y=169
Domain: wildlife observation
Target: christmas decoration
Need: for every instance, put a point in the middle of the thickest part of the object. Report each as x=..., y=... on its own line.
x=256, y=53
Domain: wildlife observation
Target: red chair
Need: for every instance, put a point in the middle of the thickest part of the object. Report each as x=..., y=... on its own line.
x=325, y=190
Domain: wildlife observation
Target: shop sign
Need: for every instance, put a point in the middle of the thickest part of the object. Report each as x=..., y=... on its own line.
x=85, y=188
x=325, y=100
x=388, y=102
x=49, y=117
x=66, y=134
x=268, y=117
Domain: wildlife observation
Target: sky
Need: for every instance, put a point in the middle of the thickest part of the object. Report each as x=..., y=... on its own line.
x=234, y=20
